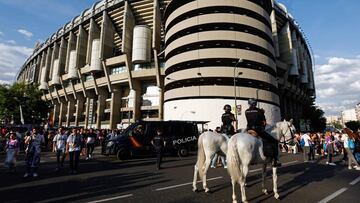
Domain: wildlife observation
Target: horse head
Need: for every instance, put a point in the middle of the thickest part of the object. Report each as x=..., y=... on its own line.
x=286, y=129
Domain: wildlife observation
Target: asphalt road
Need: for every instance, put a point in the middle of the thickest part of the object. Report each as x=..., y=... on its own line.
x=104, y=179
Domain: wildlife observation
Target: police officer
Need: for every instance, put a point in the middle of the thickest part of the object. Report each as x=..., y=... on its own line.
x=256, y=121
x=227, y=119
x=159, y=143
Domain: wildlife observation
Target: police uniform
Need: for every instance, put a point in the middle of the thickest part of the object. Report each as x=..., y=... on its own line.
x=256, y=121
x=158, y=142
x=227, y=118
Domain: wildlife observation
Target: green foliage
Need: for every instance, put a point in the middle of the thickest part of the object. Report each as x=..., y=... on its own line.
x=316, y=117
x=337, y=125
x=353, y=125
x=34, y=109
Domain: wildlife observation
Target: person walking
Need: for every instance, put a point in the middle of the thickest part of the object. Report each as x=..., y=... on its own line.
x=90, y=143
x=73, y=147
x=330, y=140
x=12, y=150
x=159, y=143
x=306, y=148
x=349, y=145
x=59, y=146
x=32, y=159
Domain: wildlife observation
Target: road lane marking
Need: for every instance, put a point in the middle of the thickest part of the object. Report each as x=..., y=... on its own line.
x=189, y=183
x=111, y=198
x=333, y=195
x=284, y=164
x=210, y=179
x=355, y=181
x=62, y=197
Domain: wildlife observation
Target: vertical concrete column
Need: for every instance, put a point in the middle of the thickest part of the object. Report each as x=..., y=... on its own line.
x=48, y=64
x=87, y=106
x=101, y=103
x=106, y=37
x=81, y=47
x=94, y=33
x=275, y=33
x=56, y=113
x=70, y=47
x=70, y=111
x=115, y=108
x=80, y=103
x=137, y=100
x=62, y=113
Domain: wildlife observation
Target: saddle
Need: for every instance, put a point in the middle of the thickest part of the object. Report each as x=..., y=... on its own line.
x=268, y=147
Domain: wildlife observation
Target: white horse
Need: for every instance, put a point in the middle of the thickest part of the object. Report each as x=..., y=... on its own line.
x=245, y=149
x=209, y=144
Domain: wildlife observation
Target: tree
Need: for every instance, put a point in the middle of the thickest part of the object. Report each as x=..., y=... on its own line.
x=337, y=124
x=316, y=117
x=353, y=125
x=34, y=109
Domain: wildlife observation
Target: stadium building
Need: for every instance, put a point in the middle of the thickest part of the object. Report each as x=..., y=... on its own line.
x=120, y=61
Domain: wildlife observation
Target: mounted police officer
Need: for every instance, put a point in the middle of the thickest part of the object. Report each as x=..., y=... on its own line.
x=159, y=143
x=227, y=119
x=256, y=121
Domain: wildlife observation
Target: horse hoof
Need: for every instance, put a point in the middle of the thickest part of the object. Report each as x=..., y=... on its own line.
x=234, y=201
x=195, y=190
x=277, y=196
x=265, y=191
x=207, y=190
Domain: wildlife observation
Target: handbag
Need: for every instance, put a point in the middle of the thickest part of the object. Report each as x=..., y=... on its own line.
x=351, y=143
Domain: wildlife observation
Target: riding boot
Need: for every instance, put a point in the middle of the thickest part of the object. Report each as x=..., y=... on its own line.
x=276, y=162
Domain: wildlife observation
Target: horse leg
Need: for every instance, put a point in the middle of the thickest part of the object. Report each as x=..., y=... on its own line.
x=276, y=194
x=264, y=190
x=207, y=165
x=196, y=170
x=233, y=183
x=242, y=181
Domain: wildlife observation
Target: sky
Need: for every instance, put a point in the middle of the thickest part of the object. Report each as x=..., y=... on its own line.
x=331, y=26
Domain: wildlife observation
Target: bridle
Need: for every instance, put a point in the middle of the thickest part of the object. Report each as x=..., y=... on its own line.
x=291, y=132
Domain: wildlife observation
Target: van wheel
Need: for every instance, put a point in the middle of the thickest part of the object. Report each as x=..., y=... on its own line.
x=121, y=154
x=183, y=151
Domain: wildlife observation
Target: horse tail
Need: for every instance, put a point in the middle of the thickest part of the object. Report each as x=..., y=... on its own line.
x=233, y=160
x=201, y=157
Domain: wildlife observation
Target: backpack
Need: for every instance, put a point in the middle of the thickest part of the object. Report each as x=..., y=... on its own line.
x=351, y=144
x=302, y=143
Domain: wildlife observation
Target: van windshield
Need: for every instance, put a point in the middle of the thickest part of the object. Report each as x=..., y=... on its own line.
x=129, y=129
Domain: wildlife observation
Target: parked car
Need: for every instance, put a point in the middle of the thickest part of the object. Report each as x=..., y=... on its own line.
x=180, y=136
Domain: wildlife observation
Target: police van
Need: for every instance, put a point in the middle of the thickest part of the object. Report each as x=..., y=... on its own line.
x=180, y=136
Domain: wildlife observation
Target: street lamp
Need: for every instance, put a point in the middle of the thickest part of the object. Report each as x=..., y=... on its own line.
x=235, y=76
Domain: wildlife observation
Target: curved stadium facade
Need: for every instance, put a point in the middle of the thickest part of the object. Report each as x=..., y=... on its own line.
x=121, y=61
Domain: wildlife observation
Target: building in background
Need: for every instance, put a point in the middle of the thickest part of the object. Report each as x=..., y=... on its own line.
x=348, y=115
x=332, y=119
x=357, y=111
x=120, y=61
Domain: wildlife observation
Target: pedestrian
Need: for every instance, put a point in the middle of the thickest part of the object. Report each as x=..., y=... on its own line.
x=33, y=150
x=305, y=139
x=159, y=143
x=73, y=147
x=12, y=150
x=59, y=146
x=349, y=145
x=83, y=133
x=90, y=143
x=330, y=140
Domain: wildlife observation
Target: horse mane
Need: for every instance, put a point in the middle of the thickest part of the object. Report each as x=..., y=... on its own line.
x=351, y=134
x=272, y=130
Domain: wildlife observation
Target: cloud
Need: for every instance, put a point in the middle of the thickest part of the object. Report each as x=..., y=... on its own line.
x=26, y=33
x=1, y=33
x=338, y=84
x=11, y=42
x=316, y=56
x=12, y=57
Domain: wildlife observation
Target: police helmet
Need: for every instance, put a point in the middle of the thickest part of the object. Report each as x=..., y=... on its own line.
x=227, y=107
x=252, y=102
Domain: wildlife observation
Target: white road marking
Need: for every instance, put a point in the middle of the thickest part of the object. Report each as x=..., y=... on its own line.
x=333, y=195
x=62, y=197
x=111, y=198
x=210, y=179
x=284, y=164
x=189, y=183
x=355, y=181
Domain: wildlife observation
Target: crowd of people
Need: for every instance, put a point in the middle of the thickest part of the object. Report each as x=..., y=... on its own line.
x=328, y=144
x=71, y=143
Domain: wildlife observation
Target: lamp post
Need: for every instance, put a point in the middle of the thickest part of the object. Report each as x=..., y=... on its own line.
x=235, y=99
